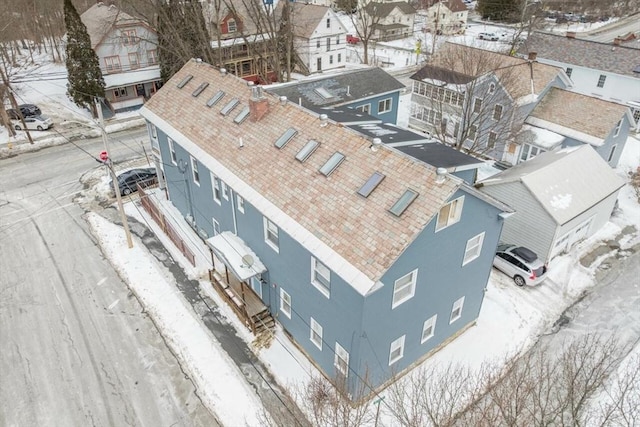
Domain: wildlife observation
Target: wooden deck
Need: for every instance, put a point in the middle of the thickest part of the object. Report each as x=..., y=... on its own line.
x=245, y=294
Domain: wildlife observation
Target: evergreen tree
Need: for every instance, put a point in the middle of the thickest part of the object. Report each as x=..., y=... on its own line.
x=499, y=10
x=83, y=66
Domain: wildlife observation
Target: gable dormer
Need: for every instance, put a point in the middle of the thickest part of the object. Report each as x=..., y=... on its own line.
x=231, y=24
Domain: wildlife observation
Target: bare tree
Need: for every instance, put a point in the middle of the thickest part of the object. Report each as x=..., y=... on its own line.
x=365, y=17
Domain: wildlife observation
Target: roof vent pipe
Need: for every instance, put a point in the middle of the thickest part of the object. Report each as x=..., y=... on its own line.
x=283, y=100
x=375, y=144
x=441, y=175
x=256, y=92
x=198, y=61
x=223, y=71
x=323, y=120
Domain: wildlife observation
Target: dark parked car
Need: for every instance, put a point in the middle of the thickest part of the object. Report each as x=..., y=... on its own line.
x=129, y=180
x=27, y=110
x=521, y=264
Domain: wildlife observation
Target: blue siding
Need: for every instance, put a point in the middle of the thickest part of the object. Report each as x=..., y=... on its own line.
x=610, y=141
x=388, y=117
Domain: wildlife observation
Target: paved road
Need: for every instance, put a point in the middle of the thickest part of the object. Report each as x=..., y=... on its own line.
x=607, y=33
x=77, y=348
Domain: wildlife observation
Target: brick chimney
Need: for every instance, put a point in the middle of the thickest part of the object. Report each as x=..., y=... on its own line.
x=532, y=56
x=617, y=41
x=571, y=34
x=258, y=104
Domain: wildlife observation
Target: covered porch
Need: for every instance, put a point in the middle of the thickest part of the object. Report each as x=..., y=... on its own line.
x=236, y=272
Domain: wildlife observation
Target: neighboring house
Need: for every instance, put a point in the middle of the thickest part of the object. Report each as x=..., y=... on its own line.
x=370, y=90
x=391, y=20
x=319, y=37
x=127, y=50
x=369, y=259
x=576, y=119
x=608, y=71
x=477, y=99
x=560, y=198
x=245, y=50
x=446, y=16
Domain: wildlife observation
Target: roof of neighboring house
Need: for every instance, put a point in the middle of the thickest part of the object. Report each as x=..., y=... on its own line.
x=514, y=73
x=306, y=17
x=100, y=20
x=452, y=5
x=441, y=156
x=430, y=72
x=585, y=53
x=338, y=89
x=141, y=75
x=565, y=112
x=540, y=137
x=389, y=134
x=243, y=10
x=565, y=182
x=383, y=9
x=356, y=237
x=346, y=115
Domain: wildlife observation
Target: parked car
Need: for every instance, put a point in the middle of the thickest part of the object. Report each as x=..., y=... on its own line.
x=128, y=181
x=488, y=36
x=27, y=110
x=34, y=123
x=351, y=39
x=521, y=264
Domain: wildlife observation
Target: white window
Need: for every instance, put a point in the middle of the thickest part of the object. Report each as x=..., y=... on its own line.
x=396, y=351
x=601, y=80
x=285, y=303
x=328, y=44
x=318, y=43
x=328, y=23
x=172, y=151
x=225, y=190
x=611, y=153
x=456, y=311
x=497, y=112
x=240, y=203
x=404, y=288
x=129, y=37
x=492, y=87
x=330, y=59
x=153, y=131
x=315, y=333
x=232, y=27
x=569, y=71
x=529, y=152
x=194, y=171
x=366, y=108
x=493, y=137
x=473, y=249
x=271, y=234
x=473, y=132
x=384, y=106
x=216, y=227
x=341, y=360
x=134, y=61
x=321, y=277
x=477, y=105
x=337, y=40
x=450, y=213
x=152, y=56
x=616, y=132
x=120, y=92
x=429, y=328
x=339, y=58
x=215, y=183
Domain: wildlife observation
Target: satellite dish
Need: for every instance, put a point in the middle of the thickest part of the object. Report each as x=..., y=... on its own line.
x=247, y=260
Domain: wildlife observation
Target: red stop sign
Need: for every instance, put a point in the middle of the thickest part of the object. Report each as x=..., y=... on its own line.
x=104, y=156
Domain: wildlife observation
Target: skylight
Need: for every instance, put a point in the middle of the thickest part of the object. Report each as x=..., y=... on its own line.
x=323, y=93
x=286, y=137
x=230, y=106
x=331, y=165
x=242, y=115
x=199, y=89
x=403, y=202
x=371, y=184
x=307, y=150
x=184, y=81
x=215, y=98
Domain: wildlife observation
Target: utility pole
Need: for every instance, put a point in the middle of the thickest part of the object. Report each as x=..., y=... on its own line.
x=114, y=178
x=15, y=104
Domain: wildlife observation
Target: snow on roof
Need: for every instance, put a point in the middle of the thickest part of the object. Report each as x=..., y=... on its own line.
x=565, y=182
x=540, y=137
x=142, y=75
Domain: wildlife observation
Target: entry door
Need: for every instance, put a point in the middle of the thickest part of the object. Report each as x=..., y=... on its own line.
x=256, y=286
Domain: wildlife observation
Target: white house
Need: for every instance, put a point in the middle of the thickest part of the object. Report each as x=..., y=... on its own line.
x=604, y=70
x=446, y=16
x=391, y=20
x=560, y=198
x=319, y=37
x=127, y=50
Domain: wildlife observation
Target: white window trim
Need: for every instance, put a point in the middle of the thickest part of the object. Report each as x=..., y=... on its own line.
x=265, y=223
x=612, y=152
x=456, y=218
x=467, y=251
x=384, y=101
x=616, y=132
x=195, y=173
x=153, y=131
x=319, y=286
x=172, y=151
x=475, y=101
x=340, y=354
x=395, y=345
x=493, y=114
x=429, y=323
x=411, y=284
x=317, y=328
x=240, y=203
x=225, y=190
x=215, y=185
x=458, y=304
x=216, y=227
x=285, y=309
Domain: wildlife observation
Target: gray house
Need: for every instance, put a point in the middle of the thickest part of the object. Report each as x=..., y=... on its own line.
x=560, y=198
x=369, y=259
x=372, y=91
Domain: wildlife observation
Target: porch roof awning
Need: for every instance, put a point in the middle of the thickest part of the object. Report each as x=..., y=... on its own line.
x=236, y=255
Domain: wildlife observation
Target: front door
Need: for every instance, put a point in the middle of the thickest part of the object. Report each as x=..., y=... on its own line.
x=256, y=286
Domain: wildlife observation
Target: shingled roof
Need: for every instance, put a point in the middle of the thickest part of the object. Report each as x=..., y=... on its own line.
x=585, y=53
x=475, y=62
x=100, y=20
x=357, y=237
x=573, y=114
x=383, y=9
x=305, y=17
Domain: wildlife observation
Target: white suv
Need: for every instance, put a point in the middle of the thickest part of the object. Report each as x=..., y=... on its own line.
x=488, y=36
x=521, y=264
